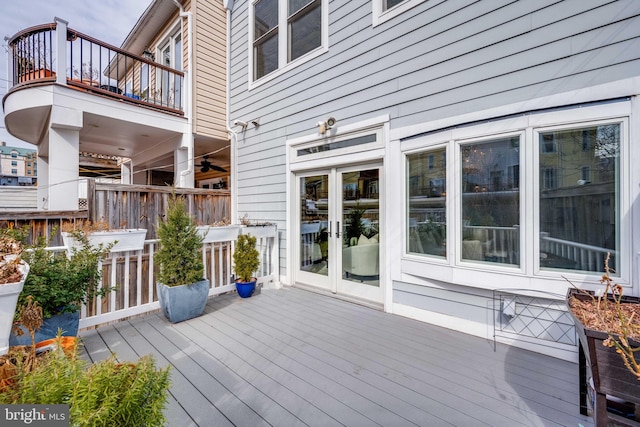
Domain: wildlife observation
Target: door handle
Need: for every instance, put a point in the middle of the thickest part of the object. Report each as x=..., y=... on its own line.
x=338, y=229
x=329, y=232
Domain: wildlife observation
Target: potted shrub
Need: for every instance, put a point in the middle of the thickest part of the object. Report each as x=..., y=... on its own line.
x=609, y=333
x=60, y=283
x=13, y=274
x=100, y=394
x=246, y=260
x=181, y=286
x=120, y=239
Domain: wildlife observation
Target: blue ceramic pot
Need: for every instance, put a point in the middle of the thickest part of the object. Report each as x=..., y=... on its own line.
x=245, y=289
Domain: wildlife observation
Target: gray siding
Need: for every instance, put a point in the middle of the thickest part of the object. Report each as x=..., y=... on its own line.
x=439, y=59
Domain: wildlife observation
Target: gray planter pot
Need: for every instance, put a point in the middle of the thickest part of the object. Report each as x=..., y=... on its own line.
x=183, y=302
x=68, y=322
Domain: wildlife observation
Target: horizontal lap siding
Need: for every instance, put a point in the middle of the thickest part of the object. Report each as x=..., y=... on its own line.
x=439, y=59
x=210, y=69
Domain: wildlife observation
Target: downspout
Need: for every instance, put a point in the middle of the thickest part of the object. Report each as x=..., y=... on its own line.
x=233, y=136
x=190, y=159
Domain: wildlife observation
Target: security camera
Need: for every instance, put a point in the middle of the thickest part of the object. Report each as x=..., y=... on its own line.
x=240, y=123
x=331, y=121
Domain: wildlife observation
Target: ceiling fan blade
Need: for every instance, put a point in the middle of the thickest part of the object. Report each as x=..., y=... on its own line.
x=218, y=168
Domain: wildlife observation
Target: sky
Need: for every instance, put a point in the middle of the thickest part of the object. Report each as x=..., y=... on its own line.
x=106, y=20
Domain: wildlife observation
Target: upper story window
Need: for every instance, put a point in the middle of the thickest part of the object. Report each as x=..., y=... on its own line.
x=283, y=32
x=383, y=10
x=388, y=4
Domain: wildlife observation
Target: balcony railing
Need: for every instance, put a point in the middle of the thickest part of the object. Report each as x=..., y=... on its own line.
x=54, y=53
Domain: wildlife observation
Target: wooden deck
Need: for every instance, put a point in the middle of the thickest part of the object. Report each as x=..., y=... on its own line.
x=292, y=357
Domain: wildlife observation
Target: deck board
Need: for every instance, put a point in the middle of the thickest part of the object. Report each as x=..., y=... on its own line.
x=292, y=357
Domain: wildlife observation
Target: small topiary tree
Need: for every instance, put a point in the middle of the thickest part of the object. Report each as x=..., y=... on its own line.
x=246, y=258
x=179, y=255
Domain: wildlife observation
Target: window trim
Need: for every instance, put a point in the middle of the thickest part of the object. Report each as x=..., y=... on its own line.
x=284, y=65
x=529, y=275
x=381, y=16
x=622, y=223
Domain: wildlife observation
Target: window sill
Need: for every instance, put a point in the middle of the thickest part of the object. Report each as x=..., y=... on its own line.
x=253, y=84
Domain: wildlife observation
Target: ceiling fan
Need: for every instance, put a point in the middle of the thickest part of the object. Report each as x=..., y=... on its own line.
x=205, y=165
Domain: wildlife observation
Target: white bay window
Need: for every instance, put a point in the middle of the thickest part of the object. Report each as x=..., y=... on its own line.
x=521, y=198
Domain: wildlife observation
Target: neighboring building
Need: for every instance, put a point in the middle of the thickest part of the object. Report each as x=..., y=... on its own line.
x=483, y=151
x=17, y=166
x=73, y=94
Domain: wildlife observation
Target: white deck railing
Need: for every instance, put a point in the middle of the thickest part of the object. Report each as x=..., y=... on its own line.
x=133, y=274
x=502, y=244
x=586, y=257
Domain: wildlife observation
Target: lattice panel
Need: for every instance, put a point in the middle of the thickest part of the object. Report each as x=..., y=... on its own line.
x=542, y=317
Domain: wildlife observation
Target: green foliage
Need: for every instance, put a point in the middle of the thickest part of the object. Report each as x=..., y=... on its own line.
x=355, y=226
x=106, y=393
x=59, y=283
x=246, y=258
x=180, y=253
x=432, y=233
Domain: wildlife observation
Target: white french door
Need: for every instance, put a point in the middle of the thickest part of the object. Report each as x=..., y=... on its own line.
x=338, y=230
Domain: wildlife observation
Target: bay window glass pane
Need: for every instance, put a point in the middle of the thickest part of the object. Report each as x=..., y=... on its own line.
x=304, y=28
x=426, y=222
x=579, y=198
x=491, y=201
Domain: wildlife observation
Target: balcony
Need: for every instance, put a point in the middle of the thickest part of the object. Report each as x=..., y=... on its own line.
x=93, y=66
x=71, y=93
x=121, y=104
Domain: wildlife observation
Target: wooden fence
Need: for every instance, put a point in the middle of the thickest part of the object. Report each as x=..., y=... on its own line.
x=133, y=272
x=123, y=206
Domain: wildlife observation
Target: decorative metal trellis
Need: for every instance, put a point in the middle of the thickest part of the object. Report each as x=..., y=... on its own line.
x=536, y=314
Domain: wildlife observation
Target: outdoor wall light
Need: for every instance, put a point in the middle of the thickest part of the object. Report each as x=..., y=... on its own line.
x=326, y=125
x=240, y=123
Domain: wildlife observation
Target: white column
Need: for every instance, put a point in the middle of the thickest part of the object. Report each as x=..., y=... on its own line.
x=59, y=162
x=126, y=171
x=61, y=51
x=184, y=176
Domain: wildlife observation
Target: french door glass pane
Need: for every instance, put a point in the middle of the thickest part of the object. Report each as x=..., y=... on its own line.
x=361, y=234
x=427, y=222
x=491, y=201
x=579, y=198
x=314, y=222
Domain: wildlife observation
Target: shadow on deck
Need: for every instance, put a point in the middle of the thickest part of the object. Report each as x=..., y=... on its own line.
x=292, y=357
